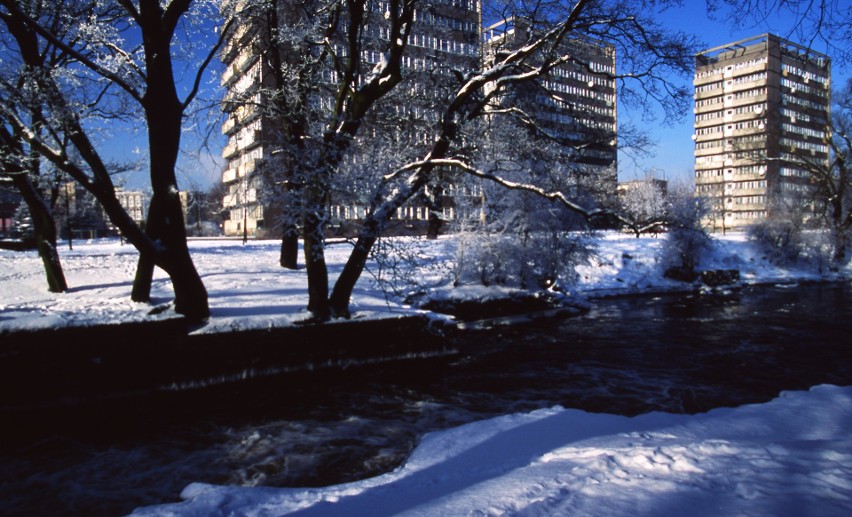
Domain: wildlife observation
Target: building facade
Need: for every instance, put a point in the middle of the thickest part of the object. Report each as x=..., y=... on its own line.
x=575, y=103
x=762, y=107
x=448, y=36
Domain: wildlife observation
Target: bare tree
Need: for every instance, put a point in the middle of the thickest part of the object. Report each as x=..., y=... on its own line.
x=20, y=168
x=95, y=41
x=342, y=112
x=830, y=181
x=652, y=55
x=643, y=204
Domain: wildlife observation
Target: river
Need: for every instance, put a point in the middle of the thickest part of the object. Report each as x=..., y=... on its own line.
x=676, y=353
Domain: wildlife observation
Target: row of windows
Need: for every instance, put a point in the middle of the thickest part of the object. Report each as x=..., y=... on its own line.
x=748, y=200
x=747, y=140
x=759, y=76
x=712, y=101
x=602, y=68
x=751, y=62
x=709, y=130
x=447, y=21
x=729, y=158
x=708, y=72
x=749, y=170
x=716, y=158
x=792, y=172
x=746, y=185
x=753, y=108
x=708, y=87
x=750, y=215
x=468, y=5
x=804, y=131
x=710, y=173
x=755, y=92
x=807, y=103
x=805, y=75
x=708, y=145
x=810, y=146
x=709, y=116
x=758, y=123
x=795, y=187
x=796, y=86
x=555, y=86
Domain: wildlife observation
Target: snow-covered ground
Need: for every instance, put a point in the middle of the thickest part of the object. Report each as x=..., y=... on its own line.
x=248, y=289
x=791, y=456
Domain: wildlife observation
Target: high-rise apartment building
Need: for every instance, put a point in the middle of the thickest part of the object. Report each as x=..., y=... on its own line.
x=761, y=111
x=447, y=36
x=575, y=103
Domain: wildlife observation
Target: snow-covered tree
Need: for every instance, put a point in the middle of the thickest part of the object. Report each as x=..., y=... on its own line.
x=128, y=49
x=686, y=239
x=336, y=41
x=643, y=204
x=21, y=169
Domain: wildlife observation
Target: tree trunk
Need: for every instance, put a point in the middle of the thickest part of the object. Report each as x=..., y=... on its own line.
x=164, y=114
x=290, y=248
x=436, y=202
x=44, y=228
x=315, y=258
x=141, y=291
x=354, y=266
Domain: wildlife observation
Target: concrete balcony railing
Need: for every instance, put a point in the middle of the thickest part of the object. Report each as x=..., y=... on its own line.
x=230, y=201
x=748, y=85
x=228, y=76
x=249, y=167
x=229, y=126
x=715, y=92
x=229, y=175
x=229, y=151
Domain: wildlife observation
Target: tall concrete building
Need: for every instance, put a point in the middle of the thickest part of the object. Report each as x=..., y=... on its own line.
x=448, y=35
x=761, y=111
x=575, y=103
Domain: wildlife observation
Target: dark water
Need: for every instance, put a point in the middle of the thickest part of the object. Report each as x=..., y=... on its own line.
x=628, y=356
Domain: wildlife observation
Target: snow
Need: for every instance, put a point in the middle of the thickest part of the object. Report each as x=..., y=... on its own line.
x=248, y=289
x=790, y=456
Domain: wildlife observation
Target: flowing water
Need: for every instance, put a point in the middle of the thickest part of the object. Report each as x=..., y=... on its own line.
x=676, y=353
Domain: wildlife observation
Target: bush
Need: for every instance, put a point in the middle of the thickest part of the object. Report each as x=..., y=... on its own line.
x=686, y=240
x=786, y=243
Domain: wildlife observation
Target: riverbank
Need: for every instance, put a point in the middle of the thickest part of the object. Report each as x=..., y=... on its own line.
x=92, y=340
x=249, y=291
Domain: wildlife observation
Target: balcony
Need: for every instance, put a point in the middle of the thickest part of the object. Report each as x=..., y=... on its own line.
x=229, y=126
x=244, y=61
x=249, y=167
x=229, y=175
x=229, y=151
x=229, y=75
x=247, y=112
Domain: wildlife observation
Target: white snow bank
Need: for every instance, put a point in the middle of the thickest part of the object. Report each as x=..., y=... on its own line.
x=248, y=289
x=790, y=456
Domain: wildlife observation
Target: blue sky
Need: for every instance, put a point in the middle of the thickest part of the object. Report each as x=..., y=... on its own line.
x=673, y=158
